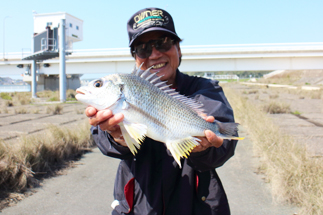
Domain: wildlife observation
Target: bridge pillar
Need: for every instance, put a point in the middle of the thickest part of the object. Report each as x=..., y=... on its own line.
x=62, y=67
x=33, y=80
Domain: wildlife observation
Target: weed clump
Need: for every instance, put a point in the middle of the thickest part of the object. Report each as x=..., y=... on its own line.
x=57, y=109
x=276, y=108
x=21, y=111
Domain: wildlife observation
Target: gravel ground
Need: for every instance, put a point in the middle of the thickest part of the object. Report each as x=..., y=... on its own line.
x=306, y=126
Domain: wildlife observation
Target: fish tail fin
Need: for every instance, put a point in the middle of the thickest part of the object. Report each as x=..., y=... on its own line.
x=182, y=148
x=228, y=130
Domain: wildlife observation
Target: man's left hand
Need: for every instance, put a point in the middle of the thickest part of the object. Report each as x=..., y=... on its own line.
x=209, y=140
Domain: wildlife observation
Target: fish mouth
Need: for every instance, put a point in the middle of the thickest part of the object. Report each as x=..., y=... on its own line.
x=80, y=91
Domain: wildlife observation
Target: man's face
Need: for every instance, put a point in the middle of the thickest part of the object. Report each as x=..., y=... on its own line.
x=164, y=62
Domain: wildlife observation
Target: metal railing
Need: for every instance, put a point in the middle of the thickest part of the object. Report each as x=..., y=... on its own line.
x=48, y=44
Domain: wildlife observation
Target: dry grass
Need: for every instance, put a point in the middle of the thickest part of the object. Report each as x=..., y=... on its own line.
x=22, y=98
x=311, y=94
x=34, y=154
x=16, y=98
x=79, y=111
x=49, y=95
x=294, y=177
x=251, y=92
x=276, y=107
x=54, y=95
x=54, y=109
x=21, y=110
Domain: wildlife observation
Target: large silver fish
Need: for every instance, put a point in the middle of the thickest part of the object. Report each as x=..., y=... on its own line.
x=152, y=109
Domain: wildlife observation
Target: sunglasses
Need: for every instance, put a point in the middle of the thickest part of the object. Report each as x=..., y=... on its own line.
x=144, y=50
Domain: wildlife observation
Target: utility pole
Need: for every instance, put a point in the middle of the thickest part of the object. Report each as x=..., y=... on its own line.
x=34, y=79
x=62, y=67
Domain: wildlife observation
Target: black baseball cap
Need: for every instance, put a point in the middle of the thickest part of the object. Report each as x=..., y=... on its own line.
x=150, y=19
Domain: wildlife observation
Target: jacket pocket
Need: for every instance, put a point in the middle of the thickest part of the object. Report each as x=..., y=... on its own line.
x=129, y=189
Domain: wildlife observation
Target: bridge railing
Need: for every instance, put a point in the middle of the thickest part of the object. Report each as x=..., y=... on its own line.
x=199, y=49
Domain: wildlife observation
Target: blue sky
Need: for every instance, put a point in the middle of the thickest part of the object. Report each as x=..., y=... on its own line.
x=200, y=22
x=197, y=22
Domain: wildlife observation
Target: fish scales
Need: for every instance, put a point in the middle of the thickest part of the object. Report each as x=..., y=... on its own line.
x=175, y=117
x=152, y=110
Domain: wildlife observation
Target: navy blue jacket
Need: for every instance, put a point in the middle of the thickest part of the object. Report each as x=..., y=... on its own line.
x=152, y=182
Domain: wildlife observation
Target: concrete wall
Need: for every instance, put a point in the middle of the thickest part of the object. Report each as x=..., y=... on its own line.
x=52, y=82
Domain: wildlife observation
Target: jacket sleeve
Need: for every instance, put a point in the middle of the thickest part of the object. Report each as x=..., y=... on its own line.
x=215, y=104
x=108, y=146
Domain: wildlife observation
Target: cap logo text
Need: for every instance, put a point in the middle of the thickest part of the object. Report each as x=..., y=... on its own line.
x=148, y=15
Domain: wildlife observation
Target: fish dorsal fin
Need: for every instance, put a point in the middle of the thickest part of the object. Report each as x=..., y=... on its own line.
x=155, y=80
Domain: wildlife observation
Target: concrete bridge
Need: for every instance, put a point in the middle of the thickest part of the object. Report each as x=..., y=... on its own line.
x=210, y=58
x=248, y=57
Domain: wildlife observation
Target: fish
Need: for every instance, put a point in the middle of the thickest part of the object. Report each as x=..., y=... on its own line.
x=151, y=108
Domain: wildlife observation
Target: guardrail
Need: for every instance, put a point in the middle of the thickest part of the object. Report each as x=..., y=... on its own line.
x=202, y=49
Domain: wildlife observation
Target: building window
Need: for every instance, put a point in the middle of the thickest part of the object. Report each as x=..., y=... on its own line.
x=71, y=25
x=77, y=27
x=49, y=23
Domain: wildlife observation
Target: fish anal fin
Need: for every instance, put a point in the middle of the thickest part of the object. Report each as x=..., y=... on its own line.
x=182, y=148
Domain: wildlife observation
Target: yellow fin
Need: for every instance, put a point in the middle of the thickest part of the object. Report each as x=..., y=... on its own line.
x=182, y=148
x=232, y=137
x=137, y=133
x=131, y=143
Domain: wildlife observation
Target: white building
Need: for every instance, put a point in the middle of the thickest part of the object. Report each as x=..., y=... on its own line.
x=46, y=46
x=74, y=26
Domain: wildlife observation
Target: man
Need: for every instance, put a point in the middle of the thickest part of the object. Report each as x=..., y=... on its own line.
x=152, y=182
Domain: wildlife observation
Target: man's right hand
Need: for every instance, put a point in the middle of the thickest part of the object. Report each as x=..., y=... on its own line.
x=107, y=122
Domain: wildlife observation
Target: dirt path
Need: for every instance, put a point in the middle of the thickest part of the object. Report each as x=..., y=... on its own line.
x=85, y=189
x=88, y=188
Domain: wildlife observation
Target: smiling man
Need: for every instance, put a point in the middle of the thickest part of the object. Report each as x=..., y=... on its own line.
x=152, y=182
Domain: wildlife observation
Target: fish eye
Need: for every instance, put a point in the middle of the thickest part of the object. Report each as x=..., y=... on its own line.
x=98, y=83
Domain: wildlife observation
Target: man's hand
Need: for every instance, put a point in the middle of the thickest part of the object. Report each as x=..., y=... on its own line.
x=107, y=122
x=209, y=140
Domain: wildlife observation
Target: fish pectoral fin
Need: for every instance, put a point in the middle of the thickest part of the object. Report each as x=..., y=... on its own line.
x=182, y=148
x=136, y=131
x=131, y=143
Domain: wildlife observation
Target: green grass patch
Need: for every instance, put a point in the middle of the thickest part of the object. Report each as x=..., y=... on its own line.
x=5, y=96
x=296, y=112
